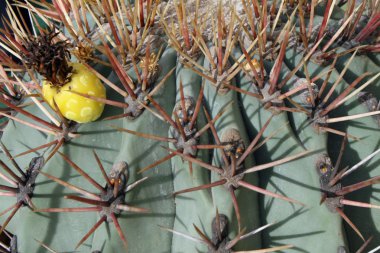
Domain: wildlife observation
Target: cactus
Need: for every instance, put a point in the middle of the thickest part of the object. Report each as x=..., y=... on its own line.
x=228, y=126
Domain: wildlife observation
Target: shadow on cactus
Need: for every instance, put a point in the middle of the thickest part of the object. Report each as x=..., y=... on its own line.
x=232, y=171
x=22, y=185
x=220, y=243
x=109, y=203
x=333, y=193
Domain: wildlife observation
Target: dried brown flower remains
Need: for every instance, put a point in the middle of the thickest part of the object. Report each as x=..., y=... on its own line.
x=49, y=57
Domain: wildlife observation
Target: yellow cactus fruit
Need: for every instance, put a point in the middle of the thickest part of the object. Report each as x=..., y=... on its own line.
x=73, y=106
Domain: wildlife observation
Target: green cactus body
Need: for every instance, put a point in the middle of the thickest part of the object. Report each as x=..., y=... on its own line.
x=362, y=149
x=31, y=225
x=293, y=179
x=147, y=196
x=193, y=207
x=358, y=150
x=230, y=120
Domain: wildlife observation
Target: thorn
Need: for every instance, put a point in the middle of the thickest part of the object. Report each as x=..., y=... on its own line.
x=340, y=212
x=106, y=81
x=162, y=112
x=38, y=103
x=6, y=222
x=8, y=194
x=8, y=209
x=10, y=172
x=80, y=171
x=8, y=154
x=160, y=84
x=205, y=239
x=101, y=100
x=339, y=79
x=301, y=63
x=123, y=76
x=168, y=157
x=29, y=202
x=354, y=93
x=362, y=248
x=323, y=198
x=48, y=131
x=181, y=234
x=276, y=163
x=55, y=150
x=145, y=68
x=337, y=132
x=358, y=204
x=184, y=112
x=8, y=189
x=255, y=95
x=37, y=148
x=210, y=123
x=209, y=146
x=116, y=187
x=219, y=39
x=194, y=160
x=201, y=187
x=120, y=116
x=236, y=207
x=218, y=225
x=292, y=91
x=214, y=133
x=370, y=27
x=119, y=231
x=29, y=115
x=337, y=177
x=265, y=192
x=92, y=230
x=258, y=230
x=310, y=90
x=234, y=241
x=45, y=246
x=135, y=184
x=341, y=151
x=10, y=181
x=229, y=41
x=68, y=210
x=347, y=189
x=274, y=249
x=251, y=65
x=60, y=115
x=88, y=201
x=132, y=209
x=328, y=11
x=254, y=142
x=179, y=126
x=70, y=186
x=277, y=66
x=146, y=136
x=190, y=169
x=356, y=166
x=341, y=96
x=338, y=33
x=101, y=168
x=143, y=104
x=352, y=117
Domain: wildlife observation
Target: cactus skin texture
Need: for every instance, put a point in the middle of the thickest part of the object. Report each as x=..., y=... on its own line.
x=228, y=126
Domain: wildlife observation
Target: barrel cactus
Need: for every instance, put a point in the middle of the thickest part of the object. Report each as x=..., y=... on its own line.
x=190, y=126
